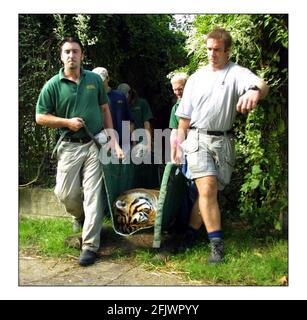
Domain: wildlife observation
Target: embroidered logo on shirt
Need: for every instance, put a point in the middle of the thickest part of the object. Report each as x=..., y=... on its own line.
x=90, y=87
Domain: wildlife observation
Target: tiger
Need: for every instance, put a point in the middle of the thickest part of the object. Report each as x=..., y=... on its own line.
x=135, y=209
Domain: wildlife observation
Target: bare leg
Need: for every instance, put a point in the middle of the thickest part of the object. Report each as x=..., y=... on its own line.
x=196, y=219
x=208, y=204
x=209, y=208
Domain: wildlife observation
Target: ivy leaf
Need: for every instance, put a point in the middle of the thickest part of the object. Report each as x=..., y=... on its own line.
x=254, y=183
x=244, y=187
x=278, y=225
x=247, y=176
x=256, y=169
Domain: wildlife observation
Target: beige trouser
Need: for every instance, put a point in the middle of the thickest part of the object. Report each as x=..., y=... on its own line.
x=79, y=167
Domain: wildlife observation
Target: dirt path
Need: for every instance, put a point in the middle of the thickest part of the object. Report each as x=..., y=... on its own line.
x=51, y=272
x=109, y=270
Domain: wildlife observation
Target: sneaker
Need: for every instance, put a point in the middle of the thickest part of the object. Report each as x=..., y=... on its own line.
x=87, y=257
x=77, y=226
x=217, y=251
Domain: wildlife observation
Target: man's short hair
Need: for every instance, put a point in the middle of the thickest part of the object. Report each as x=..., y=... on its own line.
x=221, y=34
x=70, y=40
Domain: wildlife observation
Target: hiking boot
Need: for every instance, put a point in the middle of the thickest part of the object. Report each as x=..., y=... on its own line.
x=217, y=251
x=87, y=257
x=77, y=225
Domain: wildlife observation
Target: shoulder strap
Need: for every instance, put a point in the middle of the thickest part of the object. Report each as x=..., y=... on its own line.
x=58, y=143
x=91, y=136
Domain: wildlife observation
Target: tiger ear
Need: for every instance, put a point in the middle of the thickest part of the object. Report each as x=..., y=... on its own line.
x=120, y=204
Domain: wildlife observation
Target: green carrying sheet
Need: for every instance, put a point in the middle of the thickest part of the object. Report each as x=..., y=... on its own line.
x=172, y=189
x=134, y=209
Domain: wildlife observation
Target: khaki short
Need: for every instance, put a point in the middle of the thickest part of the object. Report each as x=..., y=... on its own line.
x=209, y=155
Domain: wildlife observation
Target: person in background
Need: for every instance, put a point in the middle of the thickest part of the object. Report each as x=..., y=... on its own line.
x=140, y=112
x=178, y=82
x=71, y=101
x=207, y=111
x=190, y=209
x=119, y=108
x=146, y=173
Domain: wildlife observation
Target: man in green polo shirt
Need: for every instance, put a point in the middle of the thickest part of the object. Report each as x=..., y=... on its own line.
x=71, y=99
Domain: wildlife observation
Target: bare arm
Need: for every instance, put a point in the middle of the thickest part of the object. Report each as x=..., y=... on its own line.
x=173, y=143
x=147, y=128
x=264, y=88
x=51, y=121
x=184, y=125
x=107, y=117
x=248, y=101
x=182, y=130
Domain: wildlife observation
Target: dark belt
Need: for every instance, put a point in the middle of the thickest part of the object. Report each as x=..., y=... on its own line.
x=78, y=140
x=213, y=133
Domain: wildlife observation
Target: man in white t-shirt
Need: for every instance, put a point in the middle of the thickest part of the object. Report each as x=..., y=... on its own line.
x=211, y=98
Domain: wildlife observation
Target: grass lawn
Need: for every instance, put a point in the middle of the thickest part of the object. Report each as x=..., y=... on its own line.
x=248, y=261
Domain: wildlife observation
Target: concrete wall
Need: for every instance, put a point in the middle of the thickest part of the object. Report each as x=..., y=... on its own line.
x=40, y=202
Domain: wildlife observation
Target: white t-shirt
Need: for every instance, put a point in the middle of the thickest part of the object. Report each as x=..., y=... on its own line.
x=210, y=97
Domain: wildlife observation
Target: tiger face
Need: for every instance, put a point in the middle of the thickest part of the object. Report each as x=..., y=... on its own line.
x=135, y=209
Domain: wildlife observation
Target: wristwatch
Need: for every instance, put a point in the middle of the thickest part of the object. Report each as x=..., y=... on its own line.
x=254, y=87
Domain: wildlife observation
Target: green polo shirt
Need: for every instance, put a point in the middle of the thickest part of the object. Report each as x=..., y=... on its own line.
x=140, y=112
x=174, y=120
x=67, y=99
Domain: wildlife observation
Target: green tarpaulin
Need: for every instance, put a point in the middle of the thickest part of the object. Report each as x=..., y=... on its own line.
x=122, y=177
